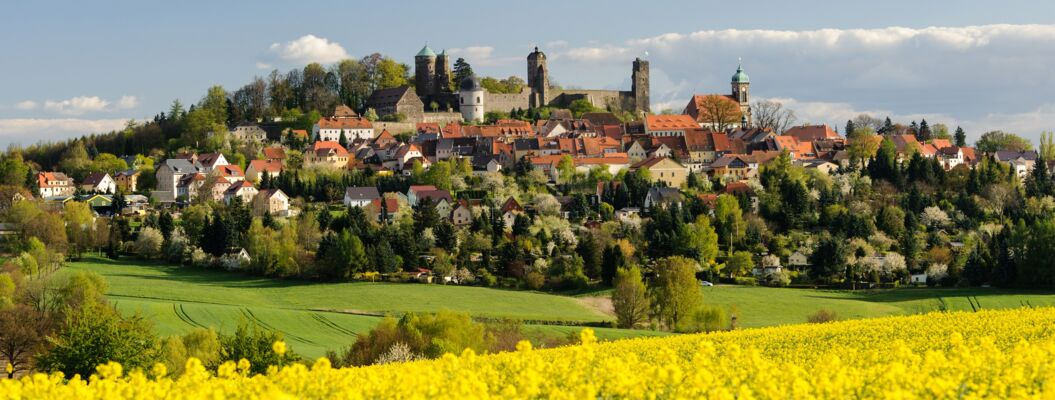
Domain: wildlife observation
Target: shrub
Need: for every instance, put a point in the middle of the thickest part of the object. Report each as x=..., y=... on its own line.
x=534, y=280
x=148, y=244
x=255, y=344
x=822, y=316
x=95, y=335
x=705, y=319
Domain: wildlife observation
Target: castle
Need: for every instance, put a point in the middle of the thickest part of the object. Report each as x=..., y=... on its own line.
x=432, y=74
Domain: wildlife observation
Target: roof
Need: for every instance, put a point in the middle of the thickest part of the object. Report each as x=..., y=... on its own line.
x=345, y=123
x=1005, y=155
x=268, y=193
x=362, y=193
x=426, y=52
x=391, y=96
x=696, y=104
x=511, y=204
x=808, y=133
x=274, y=153
x=740, y=76
x=238, y=186
x=729, y=159
x=94, y=178
x=470, y=84
x=343, y=111
x=664, y=194
x=670, y=122
x=302, y=133
x=265, y=165
x=182, y=165
x=391, y=204
x=44, y=177
x=941, y=143
x=652, y=162
x=601, y=118
x=435, y=195
x=209, y=159
x=323, y=147
x=229, y=170
x=420, y=188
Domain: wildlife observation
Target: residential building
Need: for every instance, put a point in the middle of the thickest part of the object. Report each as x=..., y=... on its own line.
x=414, y=193
x=669, y=125
x=360, y=196
x=54, y=184
x=737, y=166
x=662, y=197
x=662, y=169
x=277, y=154
x=249, y=133
x=272, y=201
x=331, y=129
x=397, y=101
x=326, y=154
x=127, y=181
x=242, y=190
x=462, y=214
x=98, y=182
x=1020, y=161
x=258, y=168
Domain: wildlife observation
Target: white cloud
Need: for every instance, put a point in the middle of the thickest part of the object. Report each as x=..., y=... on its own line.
x=309, y=48
x=127, y=102
x=26, y=105
x=28, y=131
x=262, y=65
x=77, y=105
x=482, y=56
x=557, y=44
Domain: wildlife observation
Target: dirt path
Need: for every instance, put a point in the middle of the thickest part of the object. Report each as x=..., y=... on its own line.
x=602, y=304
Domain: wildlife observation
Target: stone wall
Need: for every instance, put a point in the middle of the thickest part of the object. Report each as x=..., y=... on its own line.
x=599, y=98
x=442, y=118
x=394, y=128
x=502, y=102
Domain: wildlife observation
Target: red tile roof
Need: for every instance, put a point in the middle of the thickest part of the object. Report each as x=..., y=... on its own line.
x=670, y=122
x=345, y=123
x=809, y=133
x=322, y=147
x=274, y=153
x=265, y=165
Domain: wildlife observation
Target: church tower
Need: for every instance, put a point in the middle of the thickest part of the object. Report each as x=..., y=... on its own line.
x=537, y=77
x=639, y=85
x=425, y=72
x=741, y=92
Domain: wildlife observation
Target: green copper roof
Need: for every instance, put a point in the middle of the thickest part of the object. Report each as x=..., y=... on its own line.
x=444, y=52
x=426, y=52
x=740, y=76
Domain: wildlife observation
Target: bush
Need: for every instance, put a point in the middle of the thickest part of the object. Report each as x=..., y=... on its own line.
x=148, y=243
x=746, y=280
x=424, y=335
x=705, y=319
x=822, y=316
x=95, y=335
x=534, y=280
x=256, y=344
x=779, y=279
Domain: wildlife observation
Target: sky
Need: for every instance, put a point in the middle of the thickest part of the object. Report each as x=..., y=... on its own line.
x=72, y=68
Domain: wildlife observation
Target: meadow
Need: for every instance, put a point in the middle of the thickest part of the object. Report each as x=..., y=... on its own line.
x=315, y=317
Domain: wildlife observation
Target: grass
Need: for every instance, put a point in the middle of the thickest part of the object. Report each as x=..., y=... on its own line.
x=313, y=316
x=763, y=306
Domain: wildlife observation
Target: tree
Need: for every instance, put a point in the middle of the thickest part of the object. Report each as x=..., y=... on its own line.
x=630, y=298
x=768, y=114
x=79, y=221
x=1039, y=182
x=22, y=335
x=566, y=169
x=462, y=70
x=256, y=344
x=924, y=133
x=96, y=335
x=993, y=141
x=719, y=112
x=739, y=263
x=701, y=240
x=829, y=258
x=864, y=144
x=960, y=137
x=728, y=219
x=675, y=292
x=1047, y=146
x=148, y=243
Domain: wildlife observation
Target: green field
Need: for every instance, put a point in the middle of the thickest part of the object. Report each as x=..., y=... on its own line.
x=313, y=316
x=763, y=306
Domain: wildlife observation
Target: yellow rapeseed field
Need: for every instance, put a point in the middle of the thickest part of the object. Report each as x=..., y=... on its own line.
x=989, y=354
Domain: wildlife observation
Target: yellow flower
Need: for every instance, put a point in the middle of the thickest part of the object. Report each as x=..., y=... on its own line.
x=279, y=347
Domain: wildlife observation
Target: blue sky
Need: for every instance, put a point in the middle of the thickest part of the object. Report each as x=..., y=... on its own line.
x=74, y=67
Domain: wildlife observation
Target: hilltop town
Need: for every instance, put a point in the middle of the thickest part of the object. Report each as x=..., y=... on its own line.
x=371, y=170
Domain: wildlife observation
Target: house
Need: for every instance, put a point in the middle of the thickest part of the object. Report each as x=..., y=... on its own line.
x=271, y=201
x=249, y=133
x=669, y=125
x=705, y=146
x=950, y=157
x=662, y=169
x=1019, y=161
x=326, y=154
x=98, y=182
x=510, y=209
x=54, y=184
x=701, y=114
x=918, y=279
x=343, y=121
x=258, y=168
x=360, y=196
x=798, y=259
x=810, y=133
x=662, y=197
x=414, y=192
x=627, y=213
x=386, y=208
x=135, y=204
x=738, y=166
x=208, y=161
x=230, y=173
x=824, y=166
x=100, y=203
x=406, y=153
x=127, y=181
x=440, y=198
x=462, y=214
x=242, y=190
x=275, y=154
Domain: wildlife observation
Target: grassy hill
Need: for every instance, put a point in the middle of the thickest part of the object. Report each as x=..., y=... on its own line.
x=314, y=316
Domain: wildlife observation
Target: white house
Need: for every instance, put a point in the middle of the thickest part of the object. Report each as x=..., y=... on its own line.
x=330, y=129
x=240, y=189
x=99, y=182
x=272, y=201
x=360, y=196
x=54, y=184
x=798, y=259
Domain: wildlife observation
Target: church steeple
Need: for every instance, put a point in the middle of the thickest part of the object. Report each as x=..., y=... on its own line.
x=741, y=85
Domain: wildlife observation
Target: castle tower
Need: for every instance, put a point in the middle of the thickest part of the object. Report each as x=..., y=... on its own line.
x=471, y=99
x=639, y=85
x=425, y=72
x=742, y=91
x=537, y=77
x=443, y=73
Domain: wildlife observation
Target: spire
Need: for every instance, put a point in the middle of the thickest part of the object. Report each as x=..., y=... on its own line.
x=740, y=76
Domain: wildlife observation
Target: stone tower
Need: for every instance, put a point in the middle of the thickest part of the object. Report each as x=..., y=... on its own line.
x=742, y=92
x=443, y=73
x=425, y=72
x=537, y=77
x=639, y=85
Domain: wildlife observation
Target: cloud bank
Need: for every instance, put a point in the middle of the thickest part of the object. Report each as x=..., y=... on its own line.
x=30, y=130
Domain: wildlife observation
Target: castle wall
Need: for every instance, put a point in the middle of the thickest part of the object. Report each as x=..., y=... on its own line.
x=502, y=102
x=599, y=98
x=442, y=118
x=394, y=128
